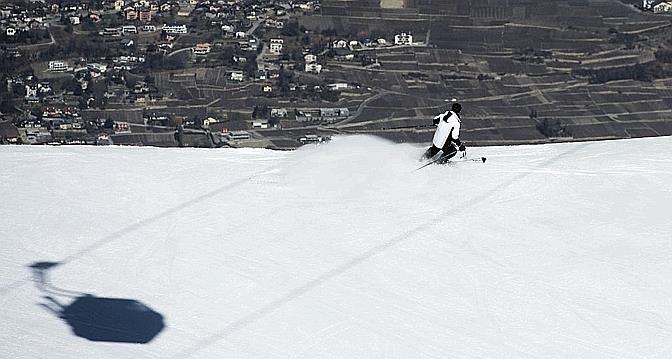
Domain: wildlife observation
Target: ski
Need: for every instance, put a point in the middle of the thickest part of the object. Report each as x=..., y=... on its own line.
x=480, y=159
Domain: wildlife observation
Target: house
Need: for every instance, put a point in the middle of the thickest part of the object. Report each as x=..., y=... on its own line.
x=10, y=31
x=237, y=76
x=75, y=20
x=240, y=34
x=279, y=112
x=227, y=29
x=310, y=139
x=129, y=29
x=118, y=5
x=31, y=91
x=121, y=127
x=111, y=31
x=238, y=135
x=338, y=86
x=185, y=11
x=201, y=49
x=267, y=88
x=174, y=29
x=260, y=123
x=149, y=28
x=663, y=8
x=145, y=15
x=131, y=14
x=209, y=121
x=339, y=44
x=648, y=4
x=313, y=68
x=310, y=58
x=58, y=66
x=276, y=46
x=331, y=114
x=260, y=75
x=403, y=39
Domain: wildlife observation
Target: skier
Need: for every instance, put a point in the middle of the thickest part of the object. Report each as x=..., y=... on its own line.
x=446, y=138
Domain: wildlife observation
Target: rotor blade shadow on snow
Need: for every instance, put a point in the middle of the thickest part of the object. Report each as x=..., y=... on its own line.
x=323, y=278
x=134, y=227
x=131, y=228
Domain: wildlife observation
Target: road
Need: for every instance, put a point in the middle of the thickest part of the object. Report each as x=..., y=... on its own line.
x=179, y=51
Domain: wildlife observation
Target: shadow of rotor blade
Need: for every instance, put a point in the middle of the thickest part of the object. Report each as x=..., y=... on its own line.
x=316, y=282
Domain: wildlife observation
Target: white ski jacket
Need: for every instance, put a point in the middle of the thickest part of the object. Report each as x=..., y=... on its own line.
x=448, y=127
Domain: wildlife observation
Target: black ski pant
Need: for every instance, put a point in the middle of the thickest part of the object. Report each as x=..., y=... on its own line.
x=448, y=149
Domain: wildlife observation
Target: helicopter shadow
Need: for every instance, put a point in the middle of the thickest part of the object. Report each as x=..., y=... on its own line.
x=99, y=319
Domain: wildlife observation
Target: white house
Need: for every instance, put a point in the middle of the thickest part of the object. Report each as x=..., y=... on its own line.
x=209, y=121
x=75, y=20
x=11, y=31
x=279, y=112
x=310, y=58
x=174, y=29
x=648, y=4
x=31, y=91
x=237, y=76
x=240, y=34
x=58, y=66
x=314, y=68
x=403, y=39
x=129, y=29
x=338, y=86
x=260, y=123
x=118, y=5
x=267, y=88
x=276, y=46
x=339, y=44
x=663, y=7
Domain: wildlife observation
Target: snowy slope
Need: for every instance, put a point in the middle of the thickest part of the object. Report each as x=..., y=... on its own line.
x=341, y=251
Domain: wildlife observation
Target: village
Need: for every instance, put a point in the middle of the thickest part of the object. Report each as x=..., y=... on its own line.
x=129, y=71
x=280, y=74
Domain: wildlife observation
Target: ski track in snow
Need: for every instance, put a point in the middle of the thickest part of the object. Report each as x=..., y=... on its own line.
x=543, y=251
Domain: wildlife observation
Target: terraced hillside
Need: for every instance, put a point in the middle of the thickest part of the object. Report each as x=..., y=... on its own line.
x=525, y=70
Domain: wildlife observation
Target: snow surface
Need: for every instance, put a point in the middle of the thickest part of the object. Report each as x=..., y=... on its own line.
x=344, y=251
